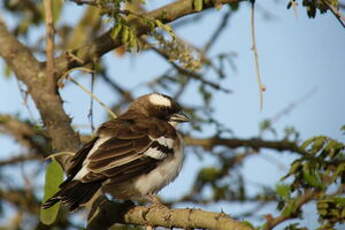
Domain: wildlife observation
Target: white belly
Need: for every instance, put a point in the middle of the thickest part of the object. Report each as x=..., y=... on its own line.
x=165, y=173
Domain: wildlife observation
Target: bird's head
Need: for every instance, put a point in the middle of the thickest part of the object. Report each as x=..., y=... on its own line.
x=159, y=106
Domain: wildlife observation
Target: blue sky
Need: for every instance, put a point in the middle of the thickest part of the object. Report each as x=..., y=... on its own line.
x=297, y=55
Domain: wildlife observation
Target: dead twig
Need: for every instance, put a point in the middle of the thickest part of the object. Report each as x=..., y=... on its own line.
x=335, y=12
x=50, y=37
x=90, y=114
x=94, y=97
x=224, y=22
x=292, y=105
x=262, y=88
x=87, y=2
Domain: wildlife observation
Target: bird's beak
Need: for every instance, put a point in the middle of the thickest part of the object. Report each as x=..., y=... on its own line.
x=179, y=117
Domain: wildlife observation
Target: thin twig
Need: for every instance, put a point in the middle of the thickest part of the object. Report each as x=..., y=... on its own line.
x=206, y=48
x=94, y=96
x=124, y=93
x=50, y=37
x=54, y=155
x=292, y=105
x=24, y=94
x=190, y=74
x=87, y=2
x=90, y=115
x=66, y=76
x=20, y=159
x=272, y=222
x=262, y=88
x=218, y=31
x=249, y=213
x=335, y=12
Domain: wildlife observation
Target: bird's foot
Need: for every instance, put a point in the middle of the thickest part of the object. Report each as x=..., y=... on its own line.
x=155, y=202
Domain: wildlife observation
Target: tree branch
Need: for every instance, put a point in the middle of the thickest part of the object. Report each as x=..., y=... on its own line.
x=261, y=86
x=23, y=133
x=335, y=12
x=43, y=92
x=103, y=44
x=221, y=28
x=190, y=74
x=22, y=199
x=49, y=37
x=209, y=143
x=125, y=213
x=300, y=201
x=20, y=159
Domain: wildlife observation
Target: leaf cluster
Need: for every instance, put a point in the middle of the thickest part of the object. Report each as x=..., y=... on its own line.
x=320, y=171
x=313, y=5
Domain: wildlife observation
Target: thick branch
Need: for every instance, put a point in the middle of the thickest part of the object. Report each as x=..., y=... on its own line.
x=23, y=133
x=105, y=43
x=44, y=94
x=160, y=216
x=22, y=199
x=183, y=218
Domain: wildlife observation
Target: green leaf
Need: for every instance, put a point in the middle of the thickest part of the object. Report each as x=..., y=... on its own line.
x=283, y=190
x=314, y=144
x=125, y=35
x=198, y=4
x=265, y=124
x=318, y=144
x=295, y=167
x=340, y=169
x=166, y=28
x=289, y=209
x=115, y=31
x=54, y=176
x=209, y=174
x=333, y=148
x=311, y=176
x=57, y=9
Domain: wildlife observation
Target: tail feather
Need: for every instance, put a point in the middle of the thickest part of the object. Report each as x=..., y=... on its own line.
x=73, y=194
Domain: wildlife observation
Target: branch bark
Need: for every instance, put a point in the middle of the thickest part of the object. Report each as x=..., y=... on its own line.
x=111, y=213
x=23, y=133
x=20, y=159
x=50, y=39
x=22, y=199
x=209, y=143
x=45, y=94
x=103, y=44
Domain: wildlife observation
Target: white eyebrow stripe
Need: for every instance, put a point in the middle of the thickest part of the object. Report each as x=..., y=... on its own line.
x=158, y=99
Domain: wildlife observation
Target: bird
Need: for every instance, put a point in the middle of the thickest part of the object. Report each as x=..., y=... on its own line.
x=131, y=157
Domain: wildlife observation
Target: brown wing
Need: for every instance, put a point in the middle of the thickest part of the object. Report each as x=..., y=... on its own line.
x=121, y=147
x=78, y=159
